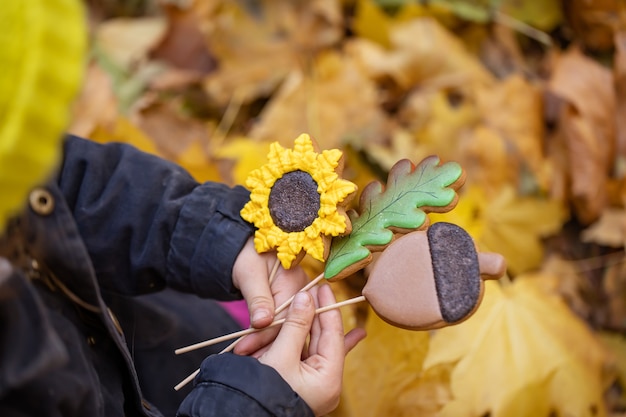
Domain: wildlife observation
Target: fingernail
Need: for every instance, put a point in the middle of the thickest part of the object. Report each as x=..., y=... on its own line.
x=301, y=300
x=259, y=315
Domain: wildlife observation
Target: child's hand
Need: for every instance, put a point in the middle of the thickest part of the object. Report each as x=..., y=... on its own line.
x=251, y=275
x=315, y=371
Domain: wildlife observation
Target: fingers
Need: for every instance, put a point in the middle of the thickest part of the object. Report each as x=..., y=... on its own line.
x=251, y=276
x=294, y=332
x=284, y=286
x=353, y=337
x=329, y=343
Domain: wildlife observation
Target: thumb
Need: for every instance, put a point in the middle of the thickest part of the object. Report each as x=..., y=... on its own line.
x=294, y=332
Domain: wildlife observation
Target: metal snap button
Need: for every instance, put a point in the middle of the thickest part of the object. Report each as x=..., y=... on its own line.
x=41, y=201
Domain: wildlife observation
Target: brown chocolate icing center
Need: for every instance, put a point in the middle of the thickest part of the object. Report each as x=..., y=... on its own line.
x=294, y=201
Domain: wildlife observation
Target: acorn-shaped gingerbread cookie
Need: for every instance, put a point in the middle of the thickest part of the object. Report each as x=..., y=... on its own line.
x=430, y=279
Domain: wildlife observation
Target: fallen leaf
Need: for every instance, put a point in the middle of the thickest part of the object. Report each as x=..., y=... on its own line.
x=245, y=153
x=415, y=56
x=373, y=23
x=513, y=109
x=128, y=41
x=609, y=230
x=333, y=101
x=506, y=223
x=614, y=291
x=165, y=122
x=96, y=104
x=616, y=344
x=591, y=22
x=565, y=279
x=123, y=131
x=196, y=161
x=183, y=44
x=382, y=375
x=619, y=74
x=257, y=47
x=522, y=353
x=588, y=129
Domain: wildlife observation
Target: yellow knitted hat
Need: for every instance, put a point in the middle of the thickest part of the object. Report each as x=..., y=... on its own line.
x=42, y=50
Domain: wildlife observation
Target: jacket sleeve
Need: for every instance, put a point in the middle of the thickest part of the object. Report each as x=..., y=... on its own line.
x=147, y=223
x=241, y=386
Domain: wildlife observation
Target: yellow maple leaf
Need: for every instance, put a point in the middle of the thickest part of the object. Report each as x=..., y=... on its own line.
x=333, y=101
x=523, y=353
x=382, y=374
x=196, y=161
x=124, y=131
x=247, y=155
x=507, y=223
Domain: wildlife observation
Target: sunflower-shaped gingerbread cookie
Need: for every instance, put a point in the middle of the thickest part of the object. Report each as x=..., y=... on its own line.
x=297, y=201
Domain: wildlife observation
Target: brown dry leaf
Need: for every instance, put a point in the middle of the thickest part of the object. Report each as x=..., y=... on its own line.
x=128, y=41
x=96, y=105
x=491, y=170
x=459, y=123
x=183, y=44
x=614, y=286
x=382, y=375
x=592, y=21
x=513, y=109
x=257, y=47
x=432, y=122
x=170, y=129
x=616, y=344
x=619, y=74
x=507, y=223
x=565, y=279
x=415, y=56
x=609, y=230
x=333, y=102
x=587, y=126
x=523, y=353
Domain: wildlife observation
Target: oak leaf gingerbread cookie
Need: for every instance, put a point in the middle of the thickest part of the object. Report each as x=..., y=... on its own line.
x=400, y=207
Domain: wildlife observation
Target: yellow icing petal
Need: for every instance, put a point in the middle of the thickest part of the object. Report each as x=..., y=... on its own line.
x=329, y=159
x=333, y=225
x=303, y=145
x=315, y=248
x=338, y=191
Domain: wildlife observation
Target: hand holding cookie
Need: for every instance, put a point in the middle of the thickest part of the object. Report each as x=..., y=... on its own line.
x=425, y=277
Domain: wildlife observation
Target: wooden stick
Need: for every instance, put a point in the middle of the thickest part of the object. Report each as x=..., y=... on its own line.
x=278, y=322
x=274, y=270
x=244, y=332
x=232, y=345
x=187, y=380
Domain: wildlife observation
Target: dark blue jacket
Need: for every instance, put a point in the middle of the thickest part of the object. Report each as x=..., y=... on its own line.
x=93, y=283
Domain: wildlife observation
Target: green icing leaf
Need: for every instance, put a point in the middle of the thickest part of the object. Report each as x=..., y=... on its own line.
x=401, y=206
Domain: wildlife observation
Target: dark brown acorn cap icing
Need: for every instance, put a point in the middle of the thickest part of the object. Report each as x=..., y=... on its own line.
x=456, y=270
